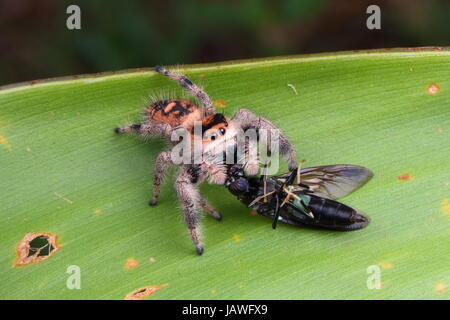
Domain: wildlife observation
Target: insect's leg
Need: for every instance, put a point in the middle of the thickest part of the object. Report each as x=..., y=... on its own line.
x=294, y=177
x=299, y=170
x=208, y=208
x=249, y=120
x=187, y=84
x=190, y=200
x=290, y=180
x=147, y=129
x=277, y=212
x=161, y=163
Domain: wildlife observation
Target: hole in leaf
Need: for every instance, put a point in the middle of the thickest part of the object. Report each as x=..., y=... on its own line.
x=40, y=246
x=144, y=292
x=36, y=247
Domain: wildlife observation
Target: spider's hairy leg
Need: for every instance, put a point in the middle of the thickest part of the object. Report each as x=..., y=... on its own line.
x=147, y=129
x=247, y=119
x=251, y=155
x=210, y=209
x=193, y=89
x=189, y=197
x=161, y=164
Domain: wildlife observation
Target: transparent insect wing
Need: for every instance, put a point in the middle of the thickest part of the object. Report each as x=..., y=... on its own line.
x=333, y=181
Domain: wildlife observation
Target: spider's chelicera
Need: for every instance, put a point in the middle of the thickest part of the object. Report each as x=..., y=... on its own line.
x=202, y=141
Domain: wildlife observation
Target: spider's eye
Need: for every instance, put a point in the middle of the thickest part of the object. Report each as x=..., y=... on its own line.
x=222, y=131
x=213, y=136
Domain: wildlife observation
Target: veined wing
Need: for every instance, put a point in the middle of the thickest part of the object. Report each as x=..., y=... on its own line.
x=333, y=181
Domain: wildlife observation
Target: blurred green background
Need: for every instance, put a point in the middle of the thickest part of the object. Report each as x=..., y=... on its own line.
x=114, y=35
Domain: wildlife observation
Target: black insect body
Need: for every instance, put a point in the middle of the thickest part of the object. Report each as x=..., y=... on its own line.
x=304, y=197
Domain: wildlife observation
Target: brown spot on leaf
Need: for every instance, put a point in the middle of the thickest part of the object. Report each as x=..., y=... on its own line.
x=433, y=88
x=5, y=143
x=151, y=260
x=98, y=211
x=440, y=287
x=219, y=103
x=142, y=293
x=236, y=237
x=445, y=206
x=385, y=265
x=131, y=263
x=36, y=247
x=253, y=212
x=201, y=75
x=406, y=177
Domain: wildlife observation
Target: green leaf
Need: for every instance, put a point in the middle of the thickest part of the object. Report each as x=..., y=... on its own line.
x=64, y=171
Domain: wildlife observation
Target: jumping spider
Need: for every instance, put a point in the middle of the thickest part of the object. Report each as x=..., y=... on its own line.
x=164, y=116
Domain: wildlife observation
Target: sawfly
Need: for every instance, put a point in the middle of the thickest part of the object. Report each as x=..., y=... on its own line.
x=304, y=197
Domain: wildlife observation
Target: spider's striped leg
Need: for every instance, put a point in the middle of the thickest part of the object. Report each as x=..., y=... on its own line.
x=193, y=89
x=147, y=129
x=189, y=197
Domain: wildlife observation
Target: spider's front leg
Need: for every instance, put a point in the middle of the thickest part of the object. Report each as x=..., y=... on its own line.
x=248, y=120
x=190, y=199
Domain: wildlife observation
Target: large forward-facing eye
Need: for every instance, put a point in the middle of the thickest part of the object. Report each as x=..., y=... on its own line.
x=213, y=136
x=222, y=131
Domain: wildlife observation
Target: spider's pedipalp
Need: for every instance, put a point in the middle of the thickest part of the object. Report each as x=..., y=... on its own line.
x=248, y=119
x=187, y=84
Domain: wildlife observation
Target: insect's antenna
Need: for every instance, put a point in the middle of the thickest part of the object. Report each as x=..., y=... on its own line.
x=276, y=213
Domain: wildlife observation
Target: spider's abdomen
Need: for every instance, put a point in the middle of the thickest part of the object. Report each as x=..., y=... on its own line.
x=174, y=112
